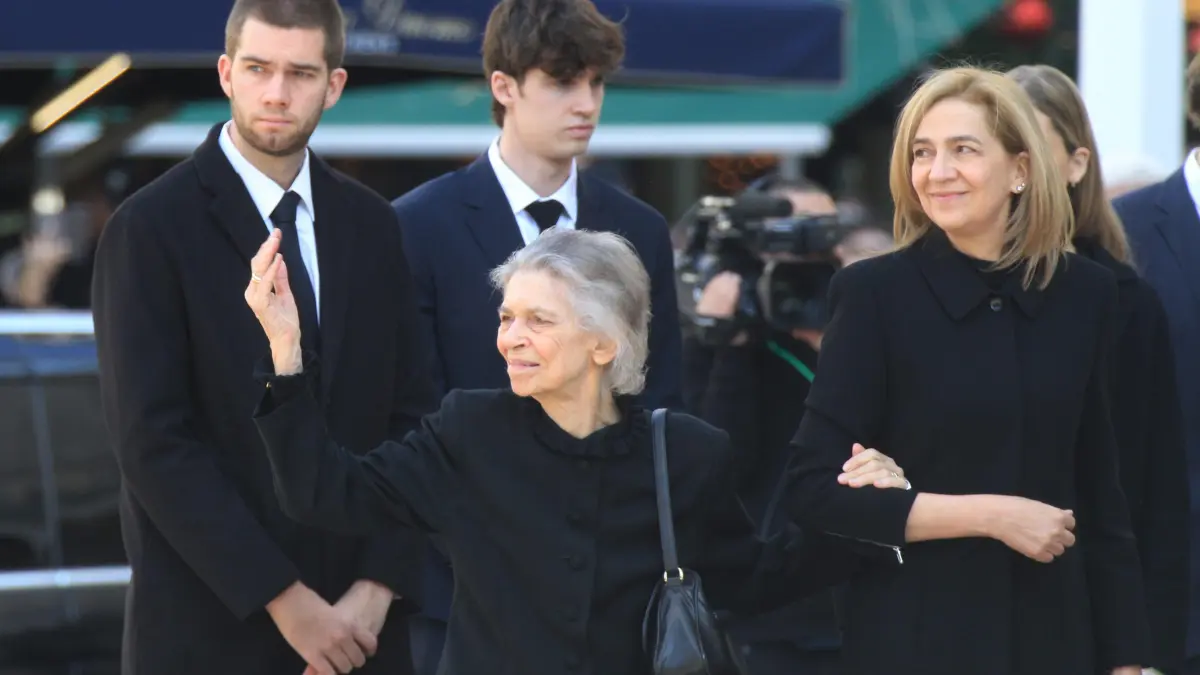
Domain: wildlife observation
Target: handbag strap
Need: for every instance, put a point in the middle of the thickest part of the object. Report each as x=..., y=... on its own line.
x=662, y=488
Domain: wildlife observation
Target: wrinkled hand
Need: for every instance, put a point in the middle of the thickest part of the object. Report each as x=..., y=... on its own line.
x=270, y=297
x=366, y=605
x=322, y=635
x=1033, y=529
x=871, y=467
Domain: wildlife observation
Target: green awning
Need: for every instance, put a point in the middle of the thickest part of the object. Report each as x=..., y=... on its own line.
x=452, y=117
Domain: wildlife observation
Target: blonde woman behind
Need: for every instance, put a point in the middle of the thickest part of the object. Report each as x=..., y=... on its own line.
x=975, y=355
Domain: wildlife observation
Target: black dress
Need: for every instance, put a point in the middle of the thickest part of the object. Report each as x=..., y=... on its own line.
x=554, y=539
x=974, y=385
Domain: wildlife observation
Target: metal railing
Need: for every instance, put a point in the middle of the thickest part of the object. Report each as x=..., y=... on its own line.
x=48, y=322
x=75, y=324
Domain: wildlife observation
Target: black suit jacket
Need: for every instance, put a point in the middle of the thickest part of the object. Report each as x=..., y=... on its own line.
x=974, y=390
x=459, y=227
x=206, y=539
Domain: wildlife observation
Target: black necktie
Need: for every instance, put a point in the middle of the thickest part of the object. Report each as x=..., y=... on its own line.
x=284, y=217
x=545, y=213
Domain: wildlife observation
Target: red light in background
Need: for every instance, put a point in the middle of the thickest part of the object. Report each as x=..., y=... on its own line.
x=1028, y=18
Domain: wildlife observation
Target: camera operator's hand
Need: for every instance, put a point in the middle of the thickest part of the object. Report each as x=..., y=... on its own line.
x=720, y=297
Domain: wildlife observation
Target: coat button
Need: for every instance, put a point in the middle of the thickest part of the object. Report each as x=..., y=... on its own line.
x=583, y=464
x=576, y=562
x=574, y=517
x=996, y=304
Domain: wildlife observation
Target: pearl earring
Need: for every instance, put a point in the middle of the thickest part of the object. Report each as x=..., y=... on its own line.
x=1020, y=188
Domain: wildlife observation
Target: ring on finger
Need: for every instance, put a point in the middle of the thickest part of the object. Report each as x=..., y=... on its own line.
x=255, y=278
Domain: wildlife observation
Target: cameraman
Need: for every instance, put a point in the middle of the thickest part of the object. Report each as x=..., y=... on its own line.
x=754, y=388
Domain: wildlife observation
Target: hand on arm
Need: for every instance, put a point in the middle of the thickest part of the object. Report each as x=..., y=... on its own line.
x=1033, y=529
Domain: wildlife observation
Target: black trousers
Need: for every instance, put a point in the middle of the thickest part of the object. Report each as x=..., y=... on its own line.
x=428, y=638
x=785, y=658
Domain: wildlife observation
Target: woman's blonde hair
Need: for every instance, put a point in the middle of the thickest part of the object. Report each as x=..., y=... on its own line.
x=1041, y=222
x=1056, y=96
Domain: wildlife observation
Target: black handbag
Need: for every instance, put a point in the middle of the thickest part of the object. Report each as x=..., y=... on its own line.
x=680, y=632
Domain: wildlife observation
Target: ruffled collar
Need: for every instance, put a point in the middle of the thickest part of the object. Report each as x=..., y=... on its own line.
x=632, y=431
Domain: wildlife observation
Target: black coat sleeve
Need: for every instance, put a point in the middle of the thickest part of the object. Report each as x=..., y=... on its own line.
x=1103, y=530
x=697, y=364
x=145, y=357
x=846, y=405
x=732, y=401
x=745, y=573
x=664, y=374
x=1164, y=534
x=323, y=485
x=394, y=559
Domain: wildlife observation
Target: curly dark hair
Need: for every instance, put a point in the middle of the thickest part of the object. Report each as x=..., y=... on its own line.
x=564, y=38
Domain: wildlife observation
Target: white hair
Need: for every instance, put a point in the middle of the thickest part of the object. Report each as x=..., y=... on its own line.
x=608, y=287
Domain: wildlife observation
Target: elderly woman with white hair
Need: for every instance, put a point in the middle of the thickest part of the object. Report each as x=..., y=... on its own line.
x=545, y=494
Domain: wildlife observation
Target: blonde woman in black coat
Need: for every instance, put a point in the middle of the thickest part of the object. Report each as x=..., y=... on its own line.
x=976, y=354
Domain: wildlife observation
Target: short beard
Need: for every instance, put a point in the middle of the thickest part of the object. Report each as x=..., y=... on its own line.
x=277, y=145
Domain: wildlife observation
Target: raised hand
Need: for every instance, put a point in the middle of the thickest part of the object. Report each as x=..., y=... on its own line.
x=271, y=300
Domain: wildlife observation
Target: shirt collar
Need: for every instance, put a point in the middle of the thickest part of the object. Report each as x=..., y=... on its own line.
x=520, y=195
x=1191, y=175
x=265, y=192
x=957, y=283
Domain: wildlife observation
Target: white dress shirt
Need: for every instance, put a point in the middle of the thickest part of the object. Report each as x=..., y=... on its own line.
x=520, y=195
x=266, y=194
x=1191, y=176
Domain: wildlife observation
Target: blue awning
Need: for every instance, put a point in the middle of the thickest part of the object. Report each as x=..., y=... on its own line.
x=687, y=40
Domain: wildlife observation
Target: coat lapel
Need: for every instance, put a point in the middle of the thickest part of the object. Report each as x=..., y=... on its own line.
x=489, y=216
x=231, y=204
x=1180, y=227
x=591, y=207
x=336, y=231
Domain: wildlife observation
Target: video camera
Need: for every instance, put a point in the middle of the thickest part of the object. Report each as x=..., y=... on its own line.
x=785, y=261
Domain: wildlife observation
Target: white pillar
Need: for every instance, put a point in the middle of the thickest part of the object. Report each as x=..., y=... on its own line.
x=1132, y=75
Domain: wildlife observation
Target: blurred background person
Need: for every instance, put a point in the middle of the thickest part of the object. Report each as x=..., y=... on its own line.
x=752, y=383
x=53, y=269
x=1164, y=231
x=1143, y=394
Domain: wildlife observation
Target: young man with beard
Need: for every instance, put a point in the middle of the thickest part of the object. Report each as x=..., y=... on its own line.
x=546, y=62
x=223, y=582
